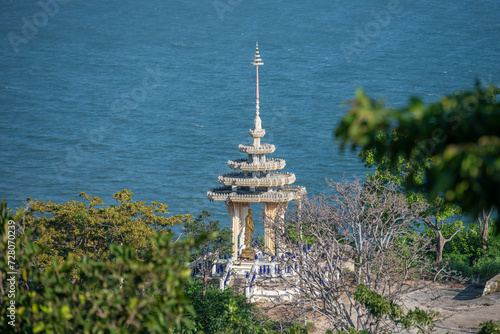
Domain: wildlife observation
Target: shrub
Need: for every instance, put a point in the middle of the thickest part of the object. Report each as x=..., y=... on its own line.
x=465, y=246
x=122, y=295
x=490, y=327
x=465, y=254
x=461, y=266
x=219, y=311
x=486, y=267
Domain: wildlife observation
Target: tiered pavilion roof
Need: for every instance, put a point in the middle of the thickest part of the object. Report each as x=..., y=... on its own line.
x=256, y=179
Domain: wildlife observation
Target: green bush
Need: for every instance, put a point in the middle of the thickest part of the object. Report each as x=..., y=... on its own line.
x=353, y=331
x=122, y=295
x=219, y=311
x=461, y=266
x=486, y=267
x=490, y=327
x=465, y=246
x=465, y=254
x=380, y=307
x=295, y=327
x=229, y=312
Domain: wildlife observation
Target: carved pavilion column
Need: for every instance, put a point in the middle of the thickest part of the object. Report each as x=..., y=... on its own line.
x=237, y=213
x=271, y=211
x=243, y=214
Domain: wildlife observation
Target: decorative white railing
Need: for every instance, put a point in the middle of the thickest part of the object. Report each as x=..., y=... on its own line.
x=285, y=194
x=270, y=180
x=226, y=275
x=269, y=164
x=262, y=149
x=257, y=133
x=250, y=286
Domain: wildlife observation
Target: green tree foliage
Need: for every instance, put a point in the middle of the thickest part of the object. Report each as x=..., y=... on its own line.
x=351, y=331
x=399, y=171
x=4, y=213
x=123, y=294
x=204, y=255
x=465, y=246
x=219, y=245
x=465, y=254
x=228, y=312
x=88, y=229
x=220, y=311
x=460, y=133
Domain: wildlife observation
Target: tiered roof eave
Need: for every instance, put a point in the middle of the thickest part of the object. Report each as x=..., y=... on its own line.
x=267, y=165
x=268, y=180
x=261, y=149
x=283, y=195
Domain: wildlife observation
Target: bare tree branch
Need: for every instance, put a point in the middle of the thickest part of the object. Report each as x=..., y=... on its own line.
x=363, y=233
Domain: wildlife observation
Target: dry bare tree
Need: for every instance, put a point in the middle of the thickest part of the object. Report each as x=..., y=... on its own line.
x=362, y=234
x=483, y=226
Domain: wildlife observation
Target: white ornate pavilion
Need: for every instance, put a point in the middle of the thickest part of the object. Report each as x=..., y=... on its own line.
x=256, y=181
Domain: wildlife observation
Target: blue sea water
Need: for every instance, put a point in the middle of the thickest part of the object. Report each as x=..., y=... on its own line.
x=155, y=96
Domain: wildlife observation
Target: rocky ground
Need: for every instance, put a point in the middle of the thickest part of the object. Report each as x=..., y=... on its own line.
x=462, y=308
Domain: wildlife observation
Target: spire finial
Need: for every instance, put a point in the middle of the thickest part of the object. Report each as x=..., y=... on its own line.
x=257, y=61
x=257, y=131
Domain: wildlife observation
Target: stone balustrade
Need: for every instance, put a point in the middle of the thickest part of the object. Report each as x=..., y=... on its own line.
x=269, y=164
x=285, y=194
x=270, y=180
x=262, y=149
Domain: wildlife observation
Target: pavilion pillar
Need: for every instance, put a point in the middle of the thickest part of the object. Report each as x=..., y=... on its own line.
x=271, y=212
x=237, y=213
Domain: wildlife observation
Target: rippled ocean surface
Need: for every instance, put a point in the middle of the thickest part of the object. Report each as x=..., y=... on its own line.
x=155, y=96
